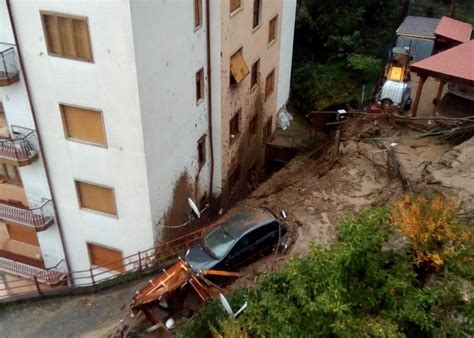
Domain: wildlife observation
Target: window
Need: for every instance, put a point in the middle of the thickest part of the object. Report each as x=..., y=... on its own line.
x=83, y=124
x=234, y=5
x=104, y=257
x=200, y=85
x=238, y=67
x=67, y=36
x=270, y=84
x=22, y=234
x=197, y=13
x=272, y=29
x=253, y=125
x=234, y=128
x=96, y=197
x=256, y=13
x=10, y=174
x=254, y=73
x=267, y=129
x=234, y=177
x=202, y=151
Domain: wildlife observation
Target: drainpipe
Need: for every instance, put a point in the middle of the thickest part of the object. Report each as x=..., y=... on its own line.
x=209, y=96
x=40, y=144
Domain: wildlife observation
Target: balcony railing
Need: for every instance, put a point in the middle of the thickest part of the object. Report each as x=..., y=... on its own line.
x=21, y=149
x=39, y=218
x=9, y=70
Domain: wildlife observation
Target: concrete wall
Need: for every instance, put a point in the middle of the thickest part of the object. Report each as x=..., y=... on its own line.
x=237, y=32
x=286, y=50
x=169, y=51
x=109, y=84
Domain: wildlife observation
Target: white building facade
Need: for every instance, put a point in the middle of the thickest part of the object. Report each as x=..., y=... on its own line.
x=130, y=105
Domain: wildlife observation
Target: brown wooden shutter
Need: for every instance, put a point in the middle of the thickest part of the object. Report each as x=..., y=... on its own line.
x=96, y=197
x=238, y=67
x=197, y=13
x=272, y=29
x=22, y=234
x=66, y=27
x=105, y=257
x=82, y=39
x=234, y=4
x=52, y=34
x=83, y=124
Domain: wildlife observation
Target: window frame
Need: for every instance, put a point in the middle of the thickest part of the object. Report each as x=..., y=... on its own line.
x=200, y=76
x=267, y=129
x=91, y=263
x=256, y=64
x=197, y=15
x=94, y=211
x=65, y=130
x=257, y=11
x=202, y=153
x=269, y=93
x=254, y=121
x=235, y=172
x=271, y=42
x=237, y=115
x=67, y=16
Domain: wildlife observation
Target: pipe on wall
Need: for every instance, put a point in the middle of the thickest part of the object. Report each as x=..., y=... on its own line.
x=209, y=98
x=38, y=133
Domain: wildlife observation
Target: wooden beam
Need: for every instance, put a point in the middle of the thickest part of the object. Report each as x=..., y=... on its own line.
x=438, y=95
x=418, y=95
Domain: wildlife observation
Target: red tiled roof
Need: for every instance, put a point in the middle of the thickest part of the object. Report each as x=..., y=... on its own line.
x=454, y=29
x=456, y=63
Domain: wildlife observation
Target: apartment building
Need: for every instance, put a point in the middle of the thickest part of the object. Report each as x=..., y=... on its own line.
x=113, y=113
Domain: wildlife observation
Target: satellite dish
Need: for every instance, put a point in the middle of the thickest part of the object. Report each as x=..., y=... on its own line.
x=226, y=305
x=194, y=207
x=228, y=309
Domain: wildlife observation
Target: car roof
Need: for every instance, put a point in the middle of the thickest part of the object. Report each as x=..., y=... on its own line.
x=244, y=221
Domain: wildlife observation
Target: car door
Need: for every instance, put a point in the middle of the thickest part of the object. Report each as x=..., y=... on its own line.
x=267, y=238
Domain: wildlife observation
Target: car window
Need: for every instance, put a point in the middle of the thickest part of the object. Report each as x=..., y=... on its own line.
x=219, y=242
x=263, y=231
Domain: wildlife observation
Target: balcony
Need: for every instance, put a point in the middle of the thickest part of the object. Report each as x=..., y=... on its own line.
x=9, y=70
x=21, y=149
x=39, y=218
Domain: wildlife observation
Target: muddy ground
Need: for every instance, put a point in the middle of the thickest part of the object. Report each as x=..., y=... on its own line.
x=315, y=192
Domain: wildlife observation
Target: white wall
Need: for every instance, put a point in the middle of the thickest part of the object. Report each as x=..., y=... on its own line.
x=17, y=111
x=169, y=51
x=109, y=84
x=286, y=50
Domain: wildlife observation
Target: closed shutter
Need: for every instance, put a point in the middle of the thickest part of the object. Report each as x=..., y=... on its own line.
x=66, y=27
x=22, y=234
x=234, y=4
x=82, y=39
x=105, y=257
x=272, y=30
x=83, y=124
x=96, y=197
x=52, y=34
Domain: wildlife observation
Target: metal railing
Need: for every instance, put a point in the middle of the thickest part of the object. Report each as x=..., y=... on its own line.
x=39, y=218
x=8, y=65
x=22, y=147
x=149, y=259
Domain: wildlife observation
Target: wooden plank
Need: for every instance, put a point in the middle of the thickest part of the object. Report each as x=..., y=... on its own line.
x=83, y=124
x=238, y=67
x=52, y=34
x=96, y=197
x=68, y=39
x=84, y=49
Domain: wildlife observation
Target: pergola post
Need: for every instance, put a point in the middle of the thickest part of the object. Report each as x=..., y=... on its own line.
x=438, y=95
x=418, y=95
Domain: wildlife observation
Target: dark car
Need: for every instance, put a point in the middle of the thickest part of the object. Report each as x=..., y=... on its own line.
x=238, y=241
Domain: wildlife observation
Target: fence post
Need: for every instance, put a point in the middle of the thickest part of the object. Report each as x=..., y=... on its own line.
x=92, y=276
x=139, y=261
x=38, y=289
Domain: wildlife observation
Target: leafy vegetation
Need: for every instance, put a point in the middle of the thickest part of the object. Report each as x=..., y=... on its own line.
x=340, y=48
x=360, y=287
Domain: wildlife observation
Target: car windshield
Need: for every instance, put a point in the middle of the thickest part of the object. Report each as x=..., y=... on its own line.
x=218, y=242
